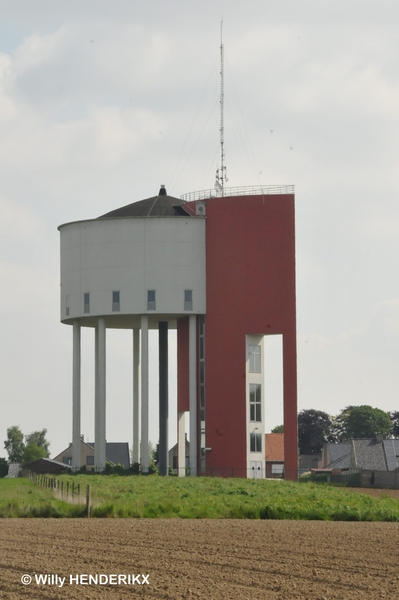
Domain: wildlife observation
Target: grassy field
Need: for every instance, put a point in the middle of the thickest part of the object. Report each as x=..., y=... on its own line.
x=22, y=498
x=215, y=498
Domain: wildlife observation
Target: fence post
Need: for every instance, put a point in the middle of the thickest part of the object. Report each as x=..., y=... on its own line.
x=88, y=501
x=78, y=493
x=67, y=489
x=73, y=489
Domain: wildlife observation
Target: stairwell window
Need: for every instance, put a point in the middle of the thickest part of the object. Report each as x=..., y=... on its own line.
x=255, y=402
x=254, y=359
x=188, y=299
x=151, y=303
x=255, y=442
x=86, y=303
x=116, y=301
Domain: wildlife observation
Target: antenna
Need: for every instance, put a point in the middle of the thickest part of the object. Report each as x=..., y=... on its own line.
x=221, y=177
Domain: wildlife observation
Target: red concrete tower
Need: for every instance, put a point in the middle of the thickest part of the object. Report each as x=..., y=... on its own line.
x=250, y=293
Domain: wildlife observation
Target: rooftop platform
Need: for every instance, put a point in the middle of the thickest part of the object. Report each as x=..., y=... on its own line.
x=267, y=190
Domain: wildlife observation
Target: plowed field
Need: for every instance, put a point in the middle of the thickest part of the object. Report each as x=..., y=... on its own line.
x=207, y=559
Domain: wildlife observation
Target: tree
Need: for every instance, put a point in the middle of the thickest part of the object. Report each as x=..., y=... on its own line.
x=339, y=424
x=278, y=429
x=38, y=438
x=365, y=422
x=152, y=452
x=14, y=444
x=394, y=416
x=33, y=448
x=33, y=452
x=314, y=429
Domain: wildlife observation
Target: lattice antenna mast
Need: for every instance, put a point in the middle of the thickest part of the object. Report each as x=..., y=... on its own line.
x=221, y=177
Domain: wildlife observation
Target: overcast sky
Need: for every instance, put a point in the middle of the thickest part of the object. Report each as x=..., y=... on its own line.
x=101, y=102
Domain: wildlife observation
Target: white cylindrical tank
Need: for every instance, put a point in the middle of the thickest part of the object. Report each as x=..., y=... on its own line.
x=123, y=267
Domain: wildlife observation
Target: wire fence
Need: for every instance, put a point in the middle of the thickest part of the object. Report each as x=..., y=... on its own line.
x=67, y=491
x=256, y=472
x=74, y=493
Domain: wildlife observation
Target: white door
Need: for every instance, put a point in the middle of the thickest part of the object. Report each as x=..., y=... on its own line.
x=256, y=469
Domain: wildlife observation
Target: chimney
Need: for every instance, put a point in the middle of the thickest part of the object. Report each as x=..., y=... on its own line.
x=162, y=191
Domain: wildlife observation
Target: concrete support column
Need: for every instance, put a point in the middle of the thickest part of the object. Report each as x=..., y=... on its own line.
x=181, y=444
x=136, y=403
x=96, y=412
x=192, y=346
x=144, y=395
x=163, y=398
x=290, y=407
x=76, y=387
x=100, y=407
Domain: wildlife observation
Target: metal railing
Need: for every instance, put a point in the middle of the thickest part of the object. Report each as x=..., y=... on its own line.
x=260, y=190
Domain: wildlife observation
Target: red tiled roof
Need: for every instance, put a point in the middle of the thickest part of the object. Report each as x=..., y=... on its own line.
x=275, y=446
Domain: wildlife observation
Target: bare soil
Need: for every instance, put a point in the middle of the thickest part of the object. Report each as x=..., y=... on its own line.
x=209, y=560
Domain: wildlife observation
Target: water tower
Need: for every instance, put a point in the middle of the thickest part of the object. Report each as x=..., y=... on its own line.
x=219, y=269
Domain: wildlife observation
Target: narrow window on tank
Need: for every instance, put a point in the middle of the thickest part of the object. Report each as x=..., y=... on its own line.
x=67, y=306
x=151, y=300
x=86, y=302
x=188, y=299
x=116, y=301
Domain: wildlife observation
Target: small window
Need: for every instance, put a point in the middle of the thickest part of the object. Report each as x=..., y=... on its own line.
x=67, y=460
x=255, y=402
x=67, y=306
x=256, y=442
x=254, y=359
x=188, y=299
x=277, y=469
x=151, y=300
x=86, y=302
x=89, y=460
x=116, y=301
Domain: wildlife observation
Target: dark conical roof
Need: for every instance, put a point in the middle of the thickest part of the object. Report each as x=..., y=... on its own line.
x=157, y=206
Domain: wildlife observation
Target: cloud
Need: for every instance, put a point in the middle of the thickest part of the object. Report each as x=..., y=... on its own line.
x=381, y=226
x=19, y=222
x=99, y=105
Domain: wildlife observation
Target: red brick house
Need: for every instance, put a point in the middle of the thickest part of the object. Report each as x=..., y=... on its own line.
x=274, y=455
